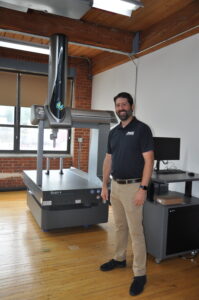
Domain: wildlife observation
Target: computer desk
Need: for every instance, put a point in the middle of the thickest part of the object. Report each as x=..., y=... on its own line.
x=172, y=230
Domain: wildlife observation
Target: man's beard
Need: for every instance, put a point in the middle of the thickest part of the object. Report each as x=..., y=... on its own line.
x=125, y=114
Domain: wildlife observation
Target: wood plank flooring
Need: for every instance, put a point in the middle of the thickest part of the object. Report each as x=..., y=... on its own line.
x=64, y=264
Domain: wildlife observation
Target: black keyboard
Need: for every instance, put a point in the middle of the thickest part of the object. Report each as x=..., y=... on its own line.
x=170, y=171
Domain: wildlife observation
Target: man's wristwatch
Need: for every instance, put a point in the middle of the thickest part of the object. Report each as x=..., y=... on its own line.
x=144, y=187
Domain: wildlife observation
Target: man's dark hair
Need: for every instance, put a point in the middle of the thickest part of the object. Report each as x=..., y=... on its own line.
x=124, y=95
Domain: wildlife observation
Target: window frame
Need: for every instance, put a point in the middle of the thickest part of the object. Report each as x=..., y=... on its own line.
x=17, y=117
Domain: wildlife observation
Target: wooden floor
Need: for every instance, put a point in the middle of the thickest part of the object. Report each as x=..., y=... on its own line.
x=64, y=264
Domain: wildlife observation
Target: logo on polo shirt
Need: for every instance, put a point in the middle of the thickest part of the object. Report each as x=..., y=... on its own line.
x=130, y=133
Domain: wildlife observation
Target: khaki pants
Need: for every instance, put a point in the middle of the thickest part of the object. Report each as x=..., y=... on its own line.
x=128, y=219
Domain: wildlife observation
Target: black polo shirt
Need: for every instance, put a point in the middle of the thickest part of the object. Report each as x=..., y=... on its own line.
x=126, y=146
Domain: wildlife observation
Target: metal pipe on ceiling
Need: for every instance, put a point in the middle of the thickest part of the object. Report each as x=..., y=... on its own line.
x=47, y=39
x=107, y=49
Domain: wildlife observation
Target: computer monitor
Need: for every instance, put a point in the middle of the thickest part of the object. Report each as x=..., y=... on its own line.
x=166, y=148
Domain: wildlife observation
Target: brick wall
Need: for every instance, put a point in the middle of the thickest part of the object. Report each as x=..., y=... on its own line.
x=83, y=86
x=15, y=165
x=12, y=168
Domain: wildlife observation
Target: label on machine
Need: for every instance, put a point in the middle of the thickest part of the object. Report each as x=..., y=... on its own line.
x=46, y=203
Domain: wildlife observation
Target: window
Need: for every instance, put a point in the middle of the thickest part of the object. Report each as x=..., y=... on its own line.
x=7, y=128
x=17, y=93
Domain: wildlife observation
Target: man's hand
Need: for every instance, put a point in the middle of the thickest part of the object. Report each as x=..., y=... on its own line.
x=140, y=197
x=104, y=193
x=106, y=176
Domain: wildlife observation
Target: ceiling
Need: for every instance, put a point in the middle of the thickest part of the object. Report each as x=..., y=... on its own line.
x=105, y=39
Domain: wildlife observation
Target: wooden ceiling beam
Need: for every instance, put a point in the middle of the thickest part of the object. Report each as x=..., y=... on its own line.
x=39, y=23
x=182, y=21
x=105, y=61
x=178, y=26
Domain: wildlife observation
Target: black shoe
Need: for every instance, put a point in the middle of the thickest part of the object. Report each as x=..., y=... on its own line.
x=112, y=264
x=137, y=285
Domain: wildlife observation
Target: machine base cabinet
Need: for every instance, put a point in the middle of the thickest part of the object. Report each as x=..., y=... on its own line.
x=171, y=230
x=49, y=219
x=65, y=200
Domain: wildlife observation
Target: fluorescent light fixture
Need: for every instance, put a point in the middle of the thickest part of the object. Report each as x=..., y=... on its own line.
x=123, y=7
x=24, y=46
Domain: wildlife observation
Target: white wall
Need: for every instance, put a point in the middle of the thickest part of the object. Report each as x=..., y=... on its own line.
x=167, y=96
x=108, y=84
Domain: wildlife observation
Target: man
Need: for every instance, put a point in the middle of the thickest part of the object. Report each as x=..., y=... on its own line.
x=129, y=160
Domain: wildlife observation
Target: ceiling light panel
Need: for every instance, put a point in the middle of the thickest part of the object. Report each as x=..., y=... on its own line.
x=24, y=47
x=123, y=7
